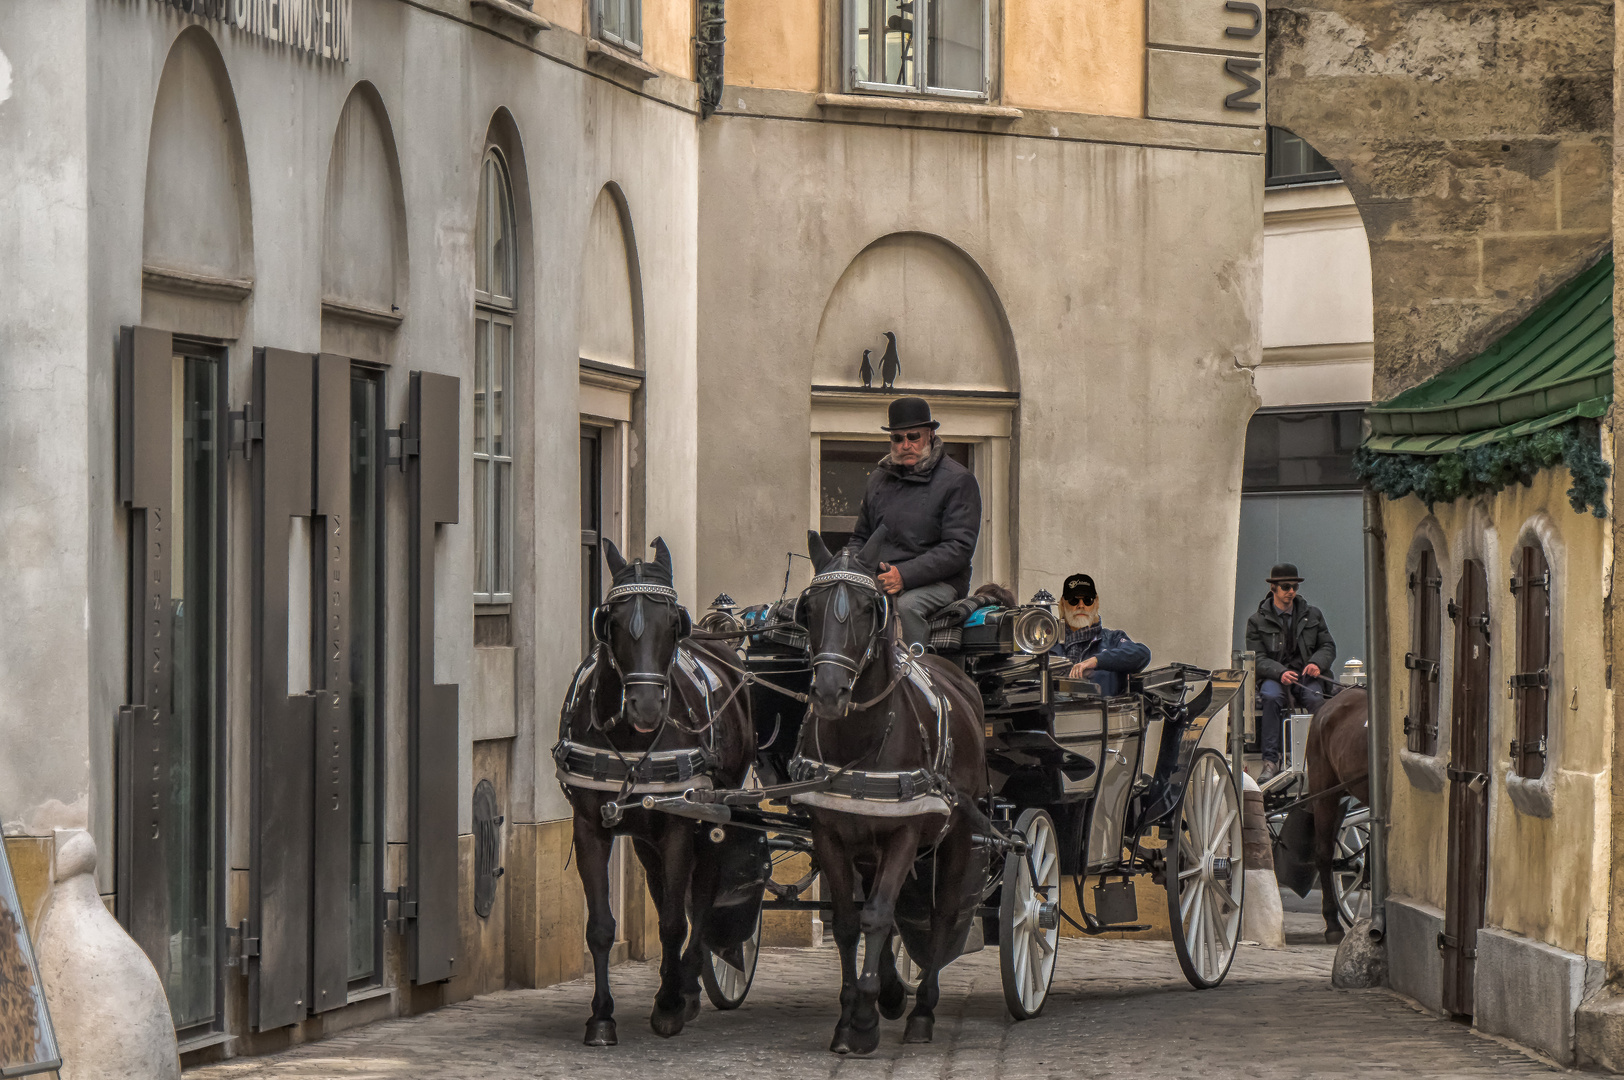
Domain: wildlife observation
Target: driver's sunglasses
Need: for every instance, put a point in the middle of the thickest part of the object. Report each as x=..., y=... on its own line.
x=1287, y=586
x=909, y=436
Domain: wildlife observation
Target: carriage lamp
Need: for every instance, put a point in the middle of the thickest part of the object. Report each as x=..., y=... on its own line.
x=1042, y=598
x=1036, y=630
x=723, y=602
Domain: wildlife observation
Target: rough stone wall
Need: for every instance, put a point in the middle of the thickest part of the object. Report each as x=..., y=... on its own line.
x=1476, y=139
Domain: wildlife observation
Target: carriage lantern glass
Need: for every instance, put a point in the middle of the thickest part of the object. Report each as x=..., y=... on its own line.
x=1036, y=630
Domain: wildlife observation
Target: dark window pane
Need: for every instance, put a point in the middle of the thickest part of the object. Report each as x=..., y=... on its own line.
x=843, y=472
x=1302, y=451
x=365, y=476
x=1293, y=161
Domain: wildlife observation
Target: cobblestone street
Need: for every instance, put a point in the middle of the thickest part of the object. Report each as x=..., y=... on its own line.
x=1117, y=1007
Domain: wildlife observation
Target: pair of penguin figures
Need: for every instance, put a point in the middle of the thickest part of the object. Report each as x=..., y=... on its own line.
x=890, y=365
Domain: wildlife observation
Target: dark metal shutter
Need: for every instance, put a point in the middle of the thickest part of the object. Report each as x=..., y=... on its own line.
x=283, y=725
x=329, y=963
x=1425, y=658
x=432, y=493
x=145, y=420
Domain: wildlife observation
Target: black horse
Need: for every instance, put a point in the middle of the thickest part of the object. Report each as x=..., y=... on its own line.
x=651, y=711
x=907, y=732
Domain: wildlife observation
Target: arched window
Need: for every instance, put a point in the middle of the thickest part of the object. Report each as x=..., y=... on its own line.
x=1531, y=684
x=1424, y=659
x=496, y=273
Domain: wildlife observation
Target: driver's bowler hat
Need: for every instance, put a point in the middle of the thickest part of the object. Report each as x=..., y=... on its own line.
x=1285, y=574
x=907, y=413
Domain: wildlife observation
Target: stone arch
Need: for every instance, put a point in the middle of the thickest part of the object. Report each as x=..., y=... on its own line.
x=198, y=226
x=610, y=312
x=364, y=262
x=952, y=331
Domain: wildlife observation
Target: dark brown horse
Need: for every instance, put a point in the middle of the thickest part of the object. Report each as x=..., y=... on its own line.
x=878, y=719
x=650, y=712
x=1338, y=753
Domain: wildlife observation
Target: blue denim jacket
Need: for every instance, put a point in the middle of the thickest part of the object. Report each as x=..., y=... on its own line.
x=1118, y=654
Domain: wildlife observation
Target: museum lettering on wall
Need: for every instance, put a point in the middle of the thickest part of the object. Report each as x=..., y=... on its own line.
x=1204, y=61
x=318, y=27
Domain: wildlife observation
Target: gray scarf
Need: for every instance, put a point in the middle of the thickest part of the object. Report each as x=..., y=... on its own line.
x=926, y=464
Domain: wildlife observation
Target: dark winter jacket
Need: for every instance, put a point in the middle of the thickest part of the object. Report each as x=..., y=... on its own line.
x=1117, y=656
x=932, y=515
x=1266, y=636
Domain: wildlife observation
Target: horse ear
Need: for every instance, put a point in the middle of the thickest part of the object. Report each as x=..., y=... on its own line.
x=662, y=555
x=870, y=555
x=612, y=554
x=818, y=551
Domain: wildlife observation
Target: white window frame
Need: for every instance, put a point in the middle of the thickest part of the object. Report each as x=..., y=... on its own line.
x=921, y=83
x=631, y=11
x=494, y=528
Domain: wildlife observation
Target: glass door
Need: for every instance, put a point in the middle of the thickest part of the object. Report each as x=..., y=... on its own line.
x=194, y=612
x=366, y=591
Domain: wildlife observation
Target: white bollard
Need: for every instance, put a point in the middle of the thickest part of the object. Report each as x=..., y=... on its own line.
x=1262, y=917
x=109, y=1009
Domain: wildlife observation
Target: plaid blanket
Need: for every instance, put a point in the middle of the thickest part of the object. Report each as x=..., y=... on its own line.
x=947, y=625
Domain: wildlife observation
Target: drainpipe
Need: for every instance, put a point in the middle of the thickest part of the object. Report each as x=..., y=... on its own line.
x=708, y=44
x=1376, y=650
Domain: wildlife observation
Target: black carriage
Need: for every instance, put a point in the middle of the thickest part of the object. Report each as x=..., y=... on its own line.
x=1098, y=789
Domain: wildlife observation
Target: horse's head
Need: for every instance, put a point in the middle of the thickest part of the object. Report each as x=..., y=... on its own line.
x=846, y=615
x=639, y=625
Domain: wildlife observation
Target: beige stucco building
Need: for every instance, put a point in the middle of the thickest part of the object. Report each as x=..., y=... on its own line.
x=338, y=331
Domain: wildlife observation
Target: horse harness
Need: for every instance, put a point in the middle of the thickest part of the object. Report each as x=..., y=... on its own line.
x=904, y=793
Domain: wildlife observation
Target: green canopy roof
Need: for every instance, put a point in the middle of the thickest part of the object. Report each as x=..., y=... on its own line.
x=1555, y=365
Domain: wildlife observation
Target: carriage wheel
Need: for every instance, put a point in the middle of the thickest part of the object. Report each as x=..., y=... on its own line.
x=727, y=975
x=1351, y=875
x=1205, y=875
x=1028, y=916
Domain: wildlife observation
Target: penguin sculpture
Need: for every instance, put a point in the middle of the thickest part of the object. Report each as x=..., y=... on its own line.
x=866, y=372
x=890, y=366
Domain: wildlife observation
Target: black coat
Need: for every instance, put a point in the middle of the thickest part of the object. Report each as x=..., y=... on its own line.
x=1266, y=636
x=931, y=520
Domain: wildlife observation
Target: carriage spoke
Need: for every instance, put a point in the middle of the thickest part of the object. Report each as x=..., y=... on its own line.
x=1220, y=834
x=1191, y=872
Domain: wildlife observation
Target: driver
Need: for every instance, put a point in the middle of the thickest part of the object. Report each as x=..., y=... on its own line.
x=930, y=506
x=1105, y=656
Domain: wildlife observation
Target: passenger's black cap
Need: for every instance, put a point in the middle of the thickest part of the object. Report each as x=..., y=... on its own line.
x=1079, y=588
x=908, y=413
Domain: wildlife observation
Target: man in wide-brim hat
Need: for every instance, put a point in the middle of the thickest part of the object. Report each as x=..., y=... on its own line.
x=1294, y=649
x=930, y=506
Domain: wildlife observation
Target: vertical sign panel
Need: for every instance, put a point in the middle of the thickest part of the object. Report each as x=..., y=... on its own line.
x=284, y=723
x=432, y=493
x=329, y=963
x=145, y=438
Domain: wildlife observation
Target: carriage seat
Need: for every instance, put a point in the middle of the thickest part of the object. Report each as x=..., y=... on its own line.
x=947, y=626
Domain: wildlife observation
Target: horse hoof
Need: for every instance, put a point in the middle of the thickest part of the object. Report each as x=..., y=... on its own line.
x=919, y=1030
x=691, y=1009
x=601, y=1033
x=841, y=1043
x=861, y=1041
x=666, y=1024
x=892, y=1001
x=1334, y=937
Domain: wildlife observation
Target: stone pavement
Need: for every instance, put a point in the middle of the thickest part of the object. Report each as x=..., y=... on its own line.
x=1116, y=1008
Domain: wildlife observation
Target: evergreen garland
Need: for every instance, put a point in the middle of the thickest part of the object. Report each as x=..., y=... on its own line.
x=1483, y=470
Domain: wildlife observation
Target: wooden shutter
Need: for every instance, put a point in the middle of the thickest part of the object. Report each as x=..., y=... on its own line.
x=145, y=486
x=1531, y=683
x=1468, y=790
x=432, y=447
x=1425, y=656
x=283, y=724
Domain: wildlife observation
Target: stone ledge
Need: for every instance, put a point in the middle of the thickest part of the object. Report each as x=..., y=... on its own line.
x=527, y=21
x=624, y=63
x=1425, y=771
x=886, y=103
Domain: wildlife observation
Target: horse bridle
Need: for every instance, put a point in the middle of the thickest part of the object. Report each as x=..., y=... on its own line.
x=865, y=582
x=630, y=591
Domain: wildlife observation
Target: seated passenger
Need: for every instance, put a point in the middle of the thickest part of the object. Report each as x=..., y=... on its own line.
x=1107, y=657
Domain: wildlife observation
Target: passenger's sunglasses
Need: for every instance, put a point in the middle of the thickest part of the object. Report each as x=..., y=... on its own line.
x=909, y=436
